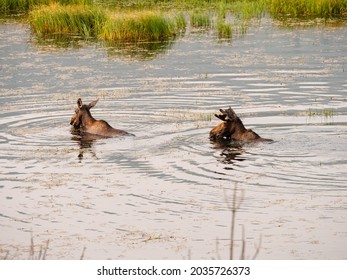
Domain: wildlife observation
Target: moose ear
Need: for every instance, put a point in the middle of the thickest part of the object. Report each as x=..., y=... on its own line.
x=79, y=103
x=92, y=104
x=232, y=113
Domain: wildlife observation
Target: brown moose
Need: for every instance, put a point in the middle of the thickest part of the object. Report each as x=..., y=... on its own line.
x=232, y=128
x=84, y=121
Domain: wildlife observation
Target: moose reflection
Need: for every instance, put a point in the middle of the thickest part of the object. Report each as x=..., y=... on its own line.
x=84, y=121
x=230, y=136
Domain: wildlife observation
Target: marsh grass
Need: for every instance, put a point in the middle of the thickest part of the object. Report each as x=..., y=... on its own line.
x=307, y=8
x=224, y=29
x=71, y=19
x=23, y=6
x=141, y=26
x=93, y=21
x=200, y=19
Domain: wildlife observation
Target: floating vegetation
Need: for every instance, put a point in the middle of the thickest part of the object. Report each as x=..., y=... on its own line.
x=327, y=113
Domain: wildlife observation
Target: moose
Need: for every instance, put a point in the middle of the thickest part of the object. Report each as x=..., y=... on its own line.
x=83, y=120
x=233, y=129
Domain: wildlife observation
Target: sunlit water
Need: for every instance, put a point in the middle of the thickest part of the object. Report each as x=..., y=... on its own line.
x=166, y=193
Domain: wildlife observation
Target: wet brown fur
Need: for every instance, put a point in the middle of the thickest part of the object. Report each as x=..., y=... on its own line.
x=232, y=128
x=83, y=120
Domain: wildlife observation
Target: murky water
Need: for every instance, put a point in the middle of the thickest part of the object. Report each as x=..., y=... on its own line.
x=166, y=193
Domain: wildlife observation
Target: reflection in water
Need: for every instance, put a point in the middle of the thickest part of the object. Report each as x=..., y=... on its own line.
x=230, y=150
x=59, y=41
x=132, y=50
x=139, y=50
x=85, y=142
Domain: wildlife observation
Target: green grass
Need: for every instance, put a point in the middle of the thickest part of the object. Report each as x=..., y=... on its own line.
x=307, y=8
x=327, y=113
x=87, y=21
x=200, y=19
x=23, y=6
x=141, y=26
x=153, y=20
x=71, y=19
x=240, y=8
x=224, y=29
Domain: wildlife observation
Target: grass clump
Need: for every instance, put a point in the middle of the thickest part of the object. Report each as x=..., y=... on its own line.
x=200, y=19
x=140, y=26
x=224, y=30
x=71, y=19
x=94, y=21
x=23, y=6
x=307, y=8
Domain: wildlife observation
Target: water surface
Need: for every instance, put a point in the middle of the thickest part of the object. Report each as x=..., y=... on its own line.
x=166, y=193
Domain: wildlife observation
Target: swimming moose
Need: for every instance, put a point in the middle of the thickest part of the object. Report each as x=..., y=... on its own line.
x=232, y=128
x=83, y=120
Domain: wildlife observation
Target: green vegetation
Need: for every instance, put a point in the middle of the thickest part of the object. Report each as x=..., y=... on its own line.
x=71, y=19
x=23, y=6
x=158, y=20
x=307, y=8
x=224, y=30
x=200, y=19
x=141, y=26
x=87, y=21
x=327, y=113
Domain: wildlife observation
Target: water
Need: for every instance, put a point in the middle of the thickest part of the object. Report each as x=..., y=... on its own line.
x=166, y=193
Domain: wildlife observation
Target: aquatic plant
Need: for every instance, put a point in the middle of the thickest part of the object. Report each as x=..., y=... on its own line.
x=88, y=21
x=23, y=6
x=71, y=19
x=307, y=8
x=224, y=30
x=200, y=19
x=327, y=113
x=141, y=26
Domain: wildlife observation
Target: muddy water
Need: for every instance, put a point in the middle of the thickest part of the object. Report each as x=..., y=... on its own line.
x=166, y=193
